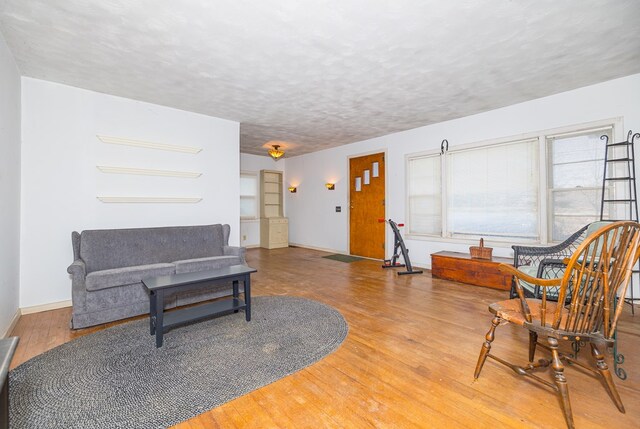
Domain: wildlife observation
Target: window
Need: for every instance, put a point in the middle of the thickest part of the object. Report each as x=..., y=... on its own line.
x=493, y=191
x=539, y=188
x=248, y=195
x=576, y=165
x=424, y=193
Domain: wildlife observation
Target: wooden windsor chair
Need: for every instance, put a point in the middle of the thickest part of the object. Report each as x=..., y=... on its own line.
x=595, y=276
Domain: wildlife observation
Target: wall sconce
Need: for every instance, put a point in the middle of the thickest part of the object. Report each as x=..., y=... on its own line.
x=330, y=186
x=293, y=189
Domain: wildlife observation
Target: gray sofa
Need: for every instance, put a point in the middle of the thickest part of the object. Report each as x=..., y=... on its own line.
x=109, y=265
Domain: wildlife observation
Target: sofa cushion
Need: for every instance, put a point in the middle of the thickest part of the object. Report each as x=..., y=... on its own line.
x=115, y=297
x=116, y=248
x=203, y=264
x=103, y=279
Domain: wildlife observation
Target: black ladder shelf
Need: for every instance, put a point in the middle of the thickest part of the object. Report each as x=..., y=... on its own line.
x=620, y=178
x=619, y=167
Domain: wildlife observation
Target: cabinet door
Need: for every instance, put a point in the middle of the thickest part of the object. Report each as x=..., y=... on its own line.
x=279, y=233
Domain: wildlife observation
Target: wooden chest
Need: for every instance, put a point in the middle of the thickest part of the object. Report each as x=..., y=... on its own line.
x=460, y=267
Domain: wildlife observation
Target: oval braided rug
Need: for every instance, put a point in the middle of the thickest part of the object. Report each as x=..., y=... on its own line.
x=117, y=378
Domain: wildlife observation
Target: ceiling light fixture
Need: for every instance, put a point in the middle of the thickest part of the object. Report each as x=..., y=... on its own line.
x=276, y=153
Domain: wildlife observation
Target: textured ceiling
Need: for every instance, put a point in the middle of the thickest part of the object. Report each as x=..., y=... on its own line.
x=325, y=73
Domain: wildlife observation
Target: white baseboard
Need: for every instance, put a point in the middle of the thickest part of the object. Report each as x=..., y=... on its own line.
x=45, y=307
x=13, y=324
x=423, y=265
x=322, y=249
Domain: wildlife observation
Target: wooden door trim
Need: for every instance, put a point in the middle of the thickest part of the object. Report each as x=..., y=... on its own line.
x=386, y=197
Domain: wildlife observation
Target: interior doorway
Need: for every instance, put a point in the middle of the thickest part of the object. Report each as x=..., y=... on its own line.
x=367, y=205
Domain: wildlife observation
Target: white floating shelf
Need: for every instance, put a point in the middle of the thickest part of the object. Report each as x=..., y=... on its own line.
x=147, y=172
x=148, y=145
x=149, y=200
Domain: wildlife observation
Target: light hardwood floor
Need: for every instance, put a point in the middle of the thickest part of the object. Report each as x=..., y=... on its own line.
x=408, y=359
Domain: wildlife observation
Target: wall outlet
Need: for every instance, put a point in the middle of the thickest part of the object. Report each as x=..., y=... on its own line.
x=244, y=238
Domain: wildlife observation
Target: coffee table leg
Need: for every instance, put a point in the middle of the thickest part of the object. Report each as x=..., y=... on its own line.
x=247, y=296
x=152, y=311
x=235, y=292
x=159, y=317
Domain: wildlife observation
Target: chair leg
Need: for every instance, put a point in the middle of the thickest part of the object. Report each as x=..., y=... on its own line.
x=486, y=346
x=561, y=382
x=603, y=369
x=533, y=341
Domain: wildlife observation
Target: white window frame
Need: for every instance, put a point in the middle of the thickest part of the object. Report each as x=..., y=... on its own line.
x=408, y=159
x=550, y=190
x=256, y=197
x=544, y=212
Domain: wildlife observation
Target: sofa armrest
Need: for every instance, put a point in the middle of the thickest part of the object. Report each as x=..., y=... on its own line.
x=78, y=271
x=78, y=268
x=235, y=251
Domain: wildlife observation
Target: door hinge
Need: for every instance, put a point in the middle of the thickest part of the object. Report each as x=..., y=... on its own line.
x=383, y=202
x=383, y=245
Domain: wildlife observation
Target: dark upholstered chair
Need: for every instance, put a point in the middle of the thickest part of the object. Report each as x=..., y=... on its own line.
x=595, y=276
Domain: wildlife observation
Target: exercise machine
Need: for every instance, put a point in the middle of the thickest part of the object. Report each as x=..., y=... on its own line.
x=398, y=243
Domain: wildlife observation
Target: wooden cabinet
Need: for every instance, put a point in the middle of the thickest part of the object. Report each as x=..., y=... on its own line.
x=274, y=232
x=271, y=194
x=461, y=267
x=274, y=227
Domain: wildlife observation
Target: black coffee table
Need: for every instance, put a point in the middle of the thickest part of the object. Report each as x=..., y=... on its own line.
x=160, y=286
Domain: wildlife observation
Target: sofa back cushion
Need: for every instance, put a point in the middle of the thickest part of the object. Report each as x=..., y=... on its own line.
x=115, y=248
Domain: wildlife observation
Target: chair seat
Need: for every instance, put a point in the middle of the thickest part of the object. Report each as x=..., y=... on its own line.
x=511, y=311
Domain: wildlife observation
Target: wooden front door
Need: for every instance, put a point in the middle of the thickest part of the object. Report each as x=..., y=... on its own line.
x=367, y=206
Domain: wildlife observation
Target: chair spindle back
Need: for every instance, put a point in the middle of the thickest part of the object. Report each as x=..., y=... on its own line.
x=598, y=272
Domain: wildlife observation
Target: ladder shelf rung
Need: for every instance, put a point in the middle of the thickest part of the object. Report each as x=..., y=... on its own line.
x=618, y=156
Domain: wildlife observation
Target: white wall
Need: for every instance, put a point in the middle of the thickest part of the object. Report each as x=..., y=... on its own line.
x=313, y=220
x=250, y=229
x=60, y=181
x=314, y=223
x=9, y=188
